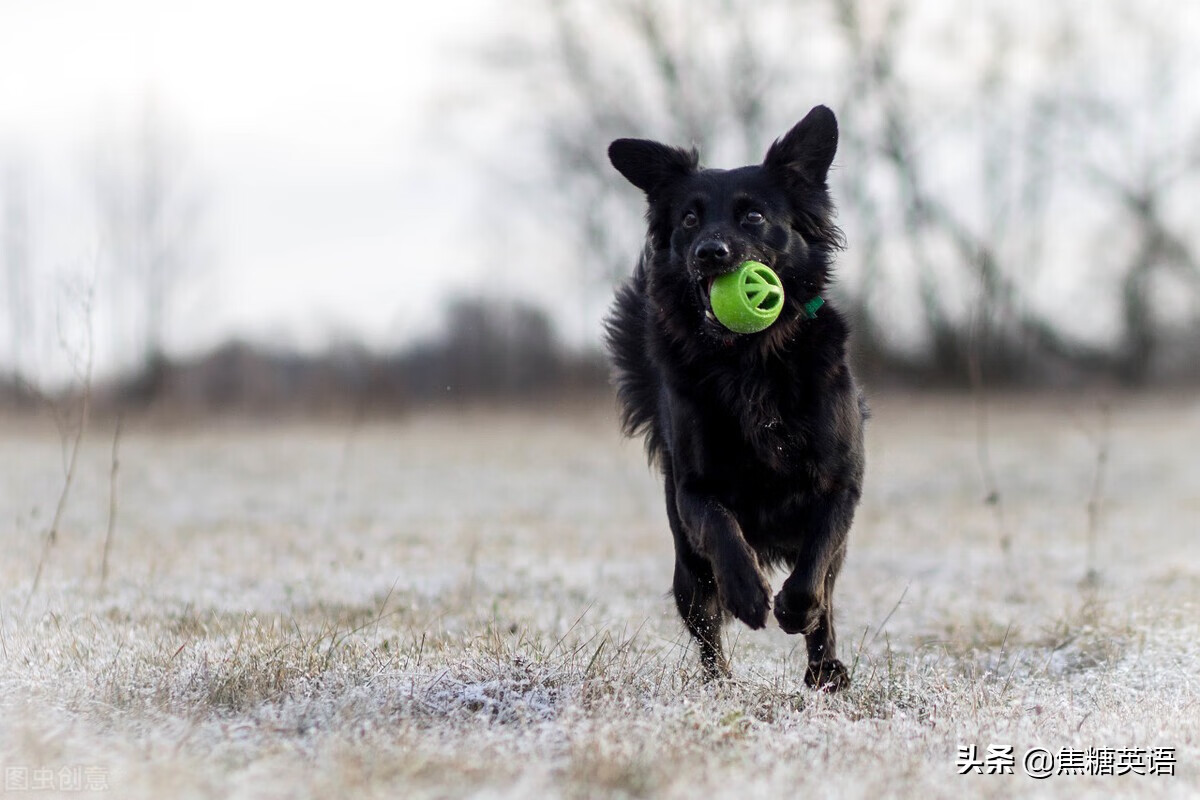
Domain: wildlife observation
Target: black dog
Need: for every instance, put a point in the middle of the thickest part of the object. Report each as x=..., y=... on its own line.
x=759, y=436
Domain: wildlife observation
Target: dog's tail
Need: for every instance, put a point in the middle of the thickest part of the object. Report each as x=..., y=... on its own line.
x=636, y=381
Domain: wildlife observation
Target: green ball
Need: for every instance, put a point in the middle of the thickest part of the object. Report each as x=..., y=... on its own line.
x=748, y=299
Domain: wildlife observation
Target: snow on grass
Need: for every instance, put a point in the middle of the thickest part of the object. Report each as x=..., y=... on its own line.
x=476, y=605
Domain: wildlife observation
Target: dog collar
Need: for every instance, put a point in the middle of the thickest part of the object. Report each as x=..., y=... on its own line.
x=810, y=308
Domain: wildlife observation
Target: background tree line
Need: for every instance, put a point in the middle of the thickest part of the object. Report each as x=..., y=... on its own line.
x=1015, y=181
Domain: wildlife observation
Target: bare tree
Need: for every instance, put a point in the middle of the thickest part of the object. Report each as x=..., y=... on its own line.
x=958, y=166
x=696, y=72
x=975, y=249
x=1149, y=190
x=150, y=216
x=17, y=276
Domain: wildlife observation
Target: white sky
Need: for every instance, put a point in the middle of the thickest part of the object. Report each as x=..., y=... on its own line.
x=328, y=178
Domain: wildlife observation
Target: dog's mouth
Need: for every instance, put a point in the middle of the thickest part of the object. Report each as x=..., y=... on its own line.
x=706, y=284
x=710, y=326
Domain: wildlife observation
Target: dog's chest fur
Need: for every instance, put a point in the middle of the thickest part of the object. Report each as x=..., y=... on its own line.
x=759, y=440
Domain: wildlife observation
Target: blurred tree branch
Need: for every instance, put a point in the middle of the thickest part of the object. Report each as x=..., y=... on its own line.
x=17, y=272
x=959, y=165
x=150, y=217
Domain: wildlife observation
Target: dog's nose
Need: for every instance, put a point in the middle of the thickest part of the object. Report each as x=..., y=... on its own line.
x=712, y=252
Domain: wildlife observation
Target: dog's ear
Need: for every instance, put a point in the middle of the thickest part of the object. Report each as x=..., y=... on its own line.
x=650, y=165
x=808, y=148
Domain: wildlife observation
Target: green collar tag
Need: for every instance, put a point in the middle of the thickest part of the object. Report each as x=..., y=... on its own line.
x=810, y=308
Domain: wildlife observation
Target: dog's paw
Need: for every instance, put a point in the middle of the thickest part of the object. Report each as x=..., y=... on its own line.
x=746, y=595
x=716, y=671
x=797, y=615
x=829, y=675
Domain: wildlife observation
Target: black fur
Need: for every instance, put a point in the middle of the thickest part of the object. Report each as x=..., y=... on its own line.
x=760, y=436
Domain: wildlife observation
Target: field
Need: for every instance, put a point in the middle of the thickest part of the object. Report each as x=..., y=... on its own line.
x=475, y=604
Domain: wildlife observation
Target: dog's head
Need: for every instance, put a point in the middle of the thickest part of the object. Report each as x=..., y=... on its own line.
x=705, y=222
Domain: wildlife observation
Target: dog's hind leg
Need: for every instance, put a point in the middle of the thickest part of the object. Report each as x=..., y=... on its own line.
x=698, y=604
x=696, y=597
x=824, y=670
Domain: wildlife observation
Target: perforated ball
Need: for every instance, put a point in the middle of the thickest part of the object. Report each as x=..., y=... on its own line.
x=747, y=300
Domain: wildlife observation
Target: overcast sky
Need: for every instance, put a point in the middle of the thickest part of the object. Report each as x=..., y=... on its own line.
x=312, y=133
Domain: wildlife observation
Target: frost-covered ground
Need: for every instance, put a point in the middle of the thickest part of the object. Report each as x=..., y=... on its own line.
x=477, y=605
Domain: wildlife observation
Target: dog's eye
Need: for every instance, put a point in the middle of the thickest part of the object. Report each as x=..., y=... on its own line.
x=753, y=218
x=690, y=220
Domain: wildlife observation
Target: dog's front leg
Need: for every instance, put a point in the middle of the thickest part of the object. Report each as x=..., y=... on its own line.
x=805, y=603
x=715, y=534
